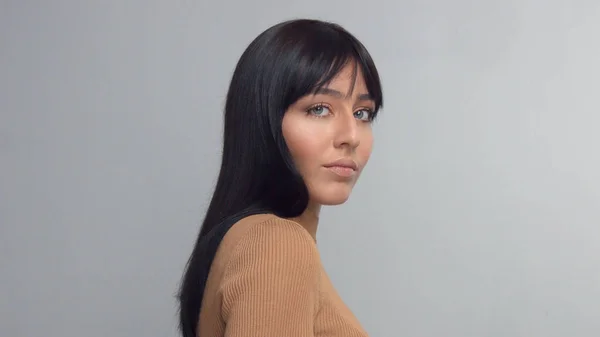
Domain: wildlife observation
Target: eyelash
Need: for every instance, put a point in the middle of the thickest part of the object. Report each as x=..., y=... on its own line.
x=323, y=105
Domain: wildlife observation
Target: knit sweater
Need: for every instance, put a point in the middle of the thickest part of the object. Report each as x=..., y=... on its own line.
x=267, y=280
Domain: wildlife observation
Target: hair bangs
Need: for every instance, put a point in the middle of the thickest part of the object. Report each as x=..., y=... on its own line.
x=320, y=55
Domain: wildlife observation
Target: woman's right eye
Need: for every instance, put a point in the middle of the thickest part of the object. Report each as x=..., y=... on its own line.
x=319, y=110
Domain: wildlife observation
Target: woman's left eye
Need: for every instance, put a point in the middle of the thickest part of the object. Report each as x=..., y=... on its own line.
x=364, y=115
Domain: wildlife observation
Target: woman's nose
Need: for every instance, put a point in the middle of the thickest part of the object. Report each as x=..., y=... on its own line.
x=347, y=131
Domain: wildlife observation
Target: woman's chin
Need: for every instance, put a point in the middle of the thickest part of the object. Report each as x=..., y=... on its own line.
x=332, y=197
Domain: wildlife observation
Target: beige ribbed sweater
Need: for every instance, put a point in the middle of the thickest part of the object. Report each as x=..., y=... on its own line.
x=267, y=280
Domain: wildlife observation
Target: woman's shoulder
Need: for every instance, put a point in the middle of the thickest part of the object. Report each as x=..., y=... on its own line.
x=266, y=237
x=265, y=228
x=272, y=274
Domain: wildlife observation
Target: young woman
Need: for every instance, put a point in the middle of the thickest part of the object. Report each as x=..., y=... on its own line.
x=297, y=135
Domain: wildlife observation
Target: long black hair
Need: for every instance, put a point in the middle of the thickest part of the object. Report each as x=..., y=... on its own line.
x=257, y=175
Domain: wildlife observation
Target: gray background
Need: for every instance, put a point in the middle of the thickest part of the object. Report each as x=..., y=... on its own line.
x=478, y=215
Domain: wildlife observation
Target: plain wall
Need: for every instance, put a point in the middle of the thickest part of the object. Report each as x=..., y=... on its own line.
x=478, y=215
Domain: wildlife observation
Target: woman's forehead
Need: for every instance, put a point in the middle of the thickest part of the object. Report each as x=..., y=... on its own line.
x=348, y=81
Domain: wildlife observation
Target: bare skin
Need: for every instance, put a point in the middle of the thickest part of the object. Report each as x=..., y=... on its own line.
x=330, y=138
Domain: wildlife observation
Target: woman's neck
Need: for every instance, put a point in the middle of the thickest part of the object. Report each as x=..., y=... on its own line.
x=310, y=219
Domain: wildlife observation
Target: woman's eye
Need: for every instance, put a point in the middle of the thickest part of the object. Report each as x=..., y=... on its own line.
x=319, y=110
x=364, y=115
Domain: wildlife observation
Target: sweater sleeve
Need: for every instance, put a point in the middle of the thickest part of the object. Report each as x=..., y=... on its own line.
x=271, y=284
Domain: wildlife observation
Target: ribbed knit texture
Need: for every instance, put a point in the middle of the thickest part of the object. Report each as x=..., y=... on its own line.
x=267, y=280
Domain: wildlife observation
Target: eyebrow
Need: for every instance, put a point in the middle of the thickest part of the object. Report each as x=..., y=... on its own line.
x=337, y=94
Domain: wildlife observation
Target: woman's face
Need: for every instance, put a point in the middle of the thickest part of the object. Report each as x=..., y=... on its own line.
x=329, y=136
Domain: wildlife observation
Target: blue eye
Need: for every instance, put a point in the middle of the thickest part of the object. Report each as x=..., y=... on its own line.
x=319, y=111
x=364, y=115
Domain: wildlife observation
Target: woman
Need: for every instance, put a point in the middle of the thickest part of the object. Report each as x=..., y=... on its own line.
x=297, y=135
